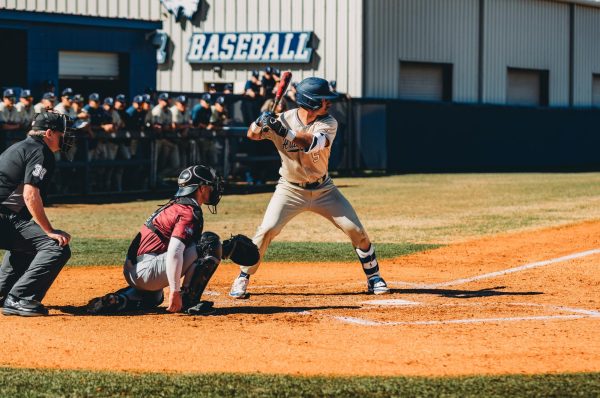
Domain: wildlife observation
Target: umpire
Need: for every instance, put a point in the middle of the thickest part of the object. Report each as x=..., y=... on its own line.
x=36, y=252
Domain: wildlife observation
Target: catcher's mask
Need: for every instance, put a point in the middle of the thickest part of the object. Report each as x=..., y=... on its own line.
x=61, y=123
x=191, y=178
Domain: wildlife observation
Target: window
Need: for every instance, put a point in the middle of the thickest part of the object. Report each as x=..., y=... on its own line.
x=425, y=81
x=527, y=87
x=596, y=90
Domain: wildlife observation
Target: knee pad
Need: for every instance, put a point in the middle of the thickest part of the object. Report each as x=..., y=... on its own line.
x=209, y=246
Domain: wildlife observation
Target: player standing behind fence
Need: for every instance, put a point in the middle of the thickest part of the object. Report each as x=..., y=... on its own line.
x=303, y=138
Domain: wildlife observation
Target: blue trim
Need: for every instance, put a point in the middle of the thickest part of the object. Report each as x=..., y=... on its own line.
x=44, y=17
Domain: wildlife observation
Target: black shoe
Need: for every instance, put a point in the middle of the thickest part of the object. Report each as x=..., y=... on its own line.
x=22, y=307
x=202, y=308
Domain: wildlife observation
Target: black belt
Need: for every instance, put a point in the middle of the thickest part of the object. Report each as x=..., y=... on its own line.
x=310, y=185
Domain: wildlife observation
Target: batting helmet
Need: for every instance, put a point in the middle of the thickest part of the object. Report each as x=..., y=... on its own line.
x=311, y=91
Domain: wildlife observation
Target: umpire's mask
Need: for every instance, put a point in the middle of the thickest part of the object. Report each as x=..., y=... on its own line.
x=192, y=177
x=57, y=122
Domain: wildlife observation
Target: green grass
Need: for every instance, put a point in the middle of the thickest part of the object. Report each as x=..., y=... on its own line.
x=333, y=251
x=49, y=383
x=112, y=251
x=432, y=208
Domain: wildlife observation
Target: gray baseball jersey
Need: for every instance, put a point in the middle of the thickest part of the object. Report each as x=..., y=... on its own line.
x=25, y=114
x=9, y=115
x=161, y=115
x=297, y=165
x=39, y=108
x=179, y=117
x=62, y=109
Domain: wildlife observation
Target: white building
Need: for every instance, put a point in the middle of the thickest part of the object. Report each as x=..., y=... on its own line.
x=528, y=52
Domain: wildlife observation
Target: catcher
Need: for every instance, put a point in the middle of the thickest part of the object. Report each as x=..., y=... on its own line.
x=171, y=245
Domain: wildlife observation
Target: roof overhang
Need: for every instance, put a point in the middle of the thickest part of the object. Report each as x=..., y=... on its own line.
x=591, y=3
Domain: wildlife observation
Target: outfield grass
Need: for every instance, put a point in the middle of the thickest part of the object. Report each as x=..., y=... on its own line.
x=436, y=208
x=112, y=251
x=46, y=383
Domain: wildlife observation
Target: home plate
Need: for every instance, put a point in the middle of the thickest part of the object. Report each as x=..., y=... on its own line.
x=392, y=302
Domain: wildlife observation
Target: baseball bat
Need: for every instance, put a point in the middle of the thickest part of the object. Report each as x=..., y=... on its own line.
x=286, y=78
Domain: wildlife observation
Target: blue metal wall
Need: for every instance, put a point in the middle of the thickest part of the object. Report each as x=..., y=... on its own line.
x=441, y=137
x=48, y=34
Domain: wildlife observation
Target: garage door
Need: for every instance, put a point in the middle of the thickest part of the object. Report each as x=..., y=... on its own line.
x=425, y=81
x=88, y=65
x=526, y=87
x=596, y=90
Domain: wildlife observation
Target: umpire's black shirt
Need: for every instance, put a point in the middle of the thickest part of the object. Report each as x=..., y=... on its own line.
x=27, y=162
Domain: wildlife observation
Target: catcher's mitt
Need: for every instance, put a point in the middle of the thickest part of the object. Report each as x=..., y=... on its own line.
x=241, y=250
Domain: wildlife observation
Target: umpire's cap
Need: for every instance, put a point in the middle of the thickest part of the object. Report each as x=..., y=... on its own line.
x=310, y=92
x=49, y=121
x=192, y=177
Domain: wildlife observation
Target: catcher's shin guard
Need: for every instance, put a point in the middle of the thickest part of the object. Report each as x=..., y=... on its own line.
x=209, y=257
x=203, y=271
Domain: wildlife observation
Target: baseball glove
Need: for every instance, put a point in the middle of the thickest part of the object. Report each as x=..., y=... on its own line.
x=241, y=250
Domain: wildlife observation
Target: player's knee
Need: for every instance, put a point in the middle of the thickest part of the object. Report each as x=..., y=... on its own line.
x=210, y=246
x=269, y=231
x=59, y=254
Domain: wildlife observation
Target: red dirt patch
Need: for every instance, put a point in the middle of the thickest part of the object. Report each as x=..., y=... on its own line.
x=292, y=321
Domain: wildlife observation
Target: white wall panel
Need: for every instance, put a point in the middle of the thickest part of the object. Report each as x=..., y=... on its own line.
x=421, y=31
x=532, y=34
x=337, y=25
x=586, y=53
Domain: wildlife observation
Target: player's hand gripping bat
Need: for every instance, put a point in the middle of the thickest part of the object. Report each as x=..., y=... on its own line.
x=286, y=78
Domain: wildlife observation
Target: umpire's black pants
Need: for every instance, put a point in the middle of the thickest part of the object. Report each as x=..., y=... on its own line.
x=32, y=261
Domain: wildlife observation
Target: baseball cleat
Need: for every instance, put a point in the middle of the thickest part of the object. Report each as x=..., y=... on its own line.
x=16, y=306
x=377, y=285
x=107, y=304
x=238, y=288
x=202, y=308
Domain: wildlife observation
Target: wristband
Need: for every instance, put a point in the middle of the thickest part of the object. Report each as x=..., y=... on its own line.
x=290, y=135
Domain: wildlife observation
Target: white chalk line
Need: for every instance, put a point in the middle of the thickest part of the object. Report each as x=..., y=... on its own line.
x=579, y=313
x=511, y=270
x=453, y=282
x=366, y=322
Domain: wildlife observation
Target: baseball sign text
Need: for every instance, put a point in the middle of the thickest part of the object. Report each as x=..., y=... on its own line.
x=288, y=47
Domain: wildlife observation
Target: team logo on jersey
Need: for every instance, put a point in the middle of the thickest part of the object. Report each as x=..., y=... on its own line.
x=289, y=146
x=39, y=171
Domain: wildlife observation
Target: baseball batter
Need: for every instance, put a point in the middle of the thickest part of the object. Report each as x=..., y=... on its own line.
x=303, y=138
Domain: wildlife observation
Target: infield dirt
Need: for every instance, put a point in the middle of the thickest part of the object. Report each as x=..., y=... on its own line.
x=307, y=318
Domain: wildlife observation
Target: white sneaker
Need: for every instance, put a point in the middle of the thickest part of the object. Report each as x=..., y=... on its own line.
x=238, y=288
x=377, y=285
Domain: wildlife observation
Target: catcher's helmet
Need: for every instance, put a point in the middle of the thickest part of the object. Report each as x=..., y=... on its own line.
x=191, y=178
x=310, y=92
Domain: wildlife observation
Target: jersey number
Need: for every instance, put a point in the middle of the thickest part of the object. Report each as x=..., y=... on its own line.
x=39, y=171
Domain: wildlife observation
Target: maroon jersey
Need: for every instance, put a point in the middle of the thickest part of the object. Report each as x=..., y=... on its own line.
x=183, y=221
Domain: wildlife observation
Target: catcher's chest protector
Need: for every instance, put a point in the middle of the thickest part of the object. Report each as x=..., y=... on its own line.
x=182, y=201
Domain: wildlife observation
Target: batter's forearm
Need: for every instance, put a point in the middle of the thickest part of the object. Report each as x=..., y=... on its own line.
x=302, y=139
